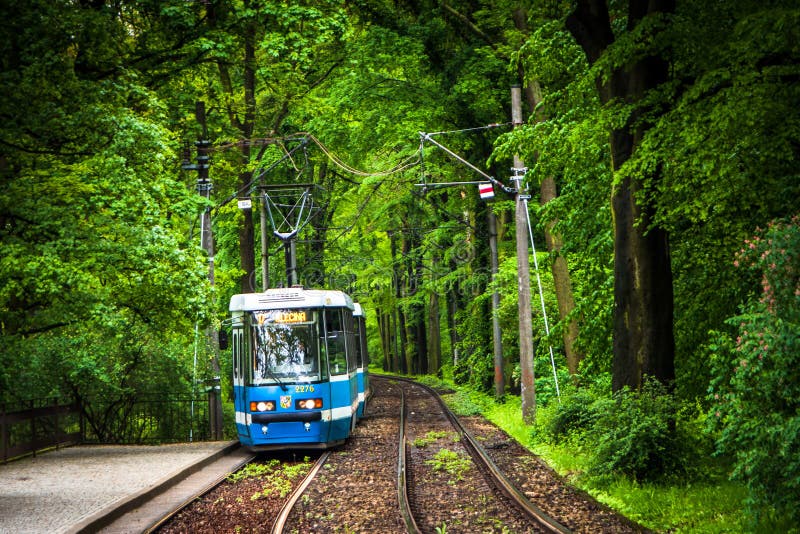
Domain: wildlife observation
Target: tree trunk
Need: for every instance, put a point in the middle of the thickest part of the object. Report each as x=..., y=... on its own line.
x=562, y=282
x=452, y=323
x=247, y=255
x=384, y=328
x=644, y=341
x=399, y=329
x=548, y=192
x=246, y=126
x=435, y=335
x=315, y=266
x=247, y=252
x=420, y=339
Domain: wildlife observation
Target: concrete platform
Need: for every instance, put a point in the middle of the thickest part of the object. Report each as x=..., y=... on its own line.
x=73, y=489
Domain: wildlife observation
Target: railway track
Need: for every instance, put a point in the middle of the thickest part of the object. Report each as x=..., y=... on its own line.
x=537, y=518
x=459, y=505
x=280, y=521
x=410, y=466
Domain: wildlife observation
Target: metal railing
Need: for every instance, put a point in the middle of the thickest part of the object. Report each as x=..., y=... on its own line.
x=33, y=425
x=39, y=424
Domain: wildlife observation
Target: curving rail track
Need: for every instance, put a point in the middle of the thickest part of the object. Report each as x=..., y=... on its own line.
x=493, y=475
x=393, y=476
x=280, y=521
x=414, y=510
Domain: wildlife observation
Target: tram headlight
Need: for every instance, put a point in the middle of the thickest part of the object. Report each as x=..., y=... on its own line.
x=308, y=404
x=262, y=406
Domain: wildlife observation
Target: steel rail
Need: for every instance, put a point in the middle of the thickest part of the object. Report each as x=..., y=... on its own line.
x=494, y=474
x=196, y=495
x=283, y=516
x=402, y=478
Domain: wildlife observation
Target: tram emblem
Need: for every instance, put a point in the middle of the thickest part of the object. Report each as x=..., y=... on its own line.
x=286, y=401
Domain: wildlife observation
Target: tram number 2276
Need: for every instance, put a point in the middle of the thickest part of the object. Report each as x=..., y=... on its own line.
x=304, y=389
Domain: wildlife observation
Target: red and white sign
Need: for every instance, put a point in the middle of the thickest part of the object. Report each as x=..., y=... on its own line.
x=486, y=190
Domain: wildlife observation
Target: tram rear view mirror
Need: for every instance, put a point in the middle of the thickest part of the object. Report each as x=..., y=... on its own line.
x=222, y=337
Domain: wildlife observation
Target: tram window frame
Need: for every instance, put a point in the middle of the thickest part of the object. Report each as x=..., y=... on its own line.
x=336, y=344
x=361, y=341
x=349, y=335
x=236, y=354
x=241, y=344
x=311, y=345
x=357, y=335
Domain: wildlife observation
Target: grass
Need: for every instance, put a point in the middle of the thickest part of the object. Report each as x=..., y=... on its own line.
x=453, y=463
x=276, y=478
x=432, y=437
x=713, y=506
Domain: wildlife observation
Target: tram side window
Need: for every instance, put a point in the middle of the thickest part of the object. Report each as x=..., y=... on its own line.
x=349, y=335
x=235, y=352
x=239, y=353
x=335, y=339
x=359, y=353
x=361, y=342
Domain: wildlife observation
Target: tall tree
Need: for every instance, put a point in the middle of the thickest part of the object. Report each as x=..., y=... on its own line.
x=553, y=239
x=94, y=259
x=643, y=295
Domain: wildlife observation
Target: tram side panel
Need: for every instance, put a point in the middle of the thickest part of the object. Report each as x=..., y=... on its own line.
x=362, y=358
x=340, y=344
x=273, y=409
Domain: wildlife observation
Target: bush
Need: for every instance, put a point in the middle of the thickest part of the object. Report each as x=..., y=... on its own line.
x=635, y=434
x=756, y=377
x=573, y=417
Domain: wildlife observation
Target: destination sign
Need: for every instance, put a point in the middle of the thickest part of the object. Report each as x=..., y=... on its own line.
x=290, y=317
x=282, y=317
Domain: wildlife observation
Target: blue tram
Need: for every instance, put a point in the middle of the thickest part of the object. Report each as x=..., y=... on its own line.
x=295, y=377
x=362, y=358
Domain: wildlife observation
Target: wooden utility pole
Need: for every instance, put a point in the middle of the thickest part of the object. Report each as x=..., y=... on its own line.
x=262, y=213
x=523, y=274
x=207, y=243
x=497, y=337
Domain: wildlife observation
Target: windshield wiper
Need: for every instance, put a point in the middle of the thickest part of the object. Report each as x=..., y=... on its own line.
x=275, y=378
x=268, y=369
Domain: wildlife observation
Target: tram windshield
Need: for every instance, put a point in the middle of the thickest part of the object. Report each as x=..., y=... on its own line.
x=285, y=346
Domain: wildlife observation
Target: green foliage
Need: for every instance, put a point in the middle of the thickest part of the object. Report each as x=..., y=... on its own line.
x=101, y=287
x=103, y=282
x=756, y=382
x=574, y=416
x=635, y=434
x=726, y=148
x=277, y=477
x=431, y=437
x=466, y=401
x=451, y=462
x=648, y=435
x=700, y=500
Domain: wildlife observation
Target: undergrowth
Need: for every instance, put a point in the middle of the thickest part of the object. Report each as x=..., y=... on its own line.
x=641, y=454
x=451, y=462
x=277, y=478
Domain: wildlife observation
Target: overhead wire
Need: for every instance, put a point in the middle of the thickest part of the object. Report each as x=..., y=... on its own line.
x=412, y=161
x=474, y=129
x=400, y=167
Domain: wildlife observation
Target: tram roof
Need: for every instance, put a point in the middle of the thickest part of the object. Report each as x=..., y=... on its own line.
x=293, y=297
x=358, y=311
